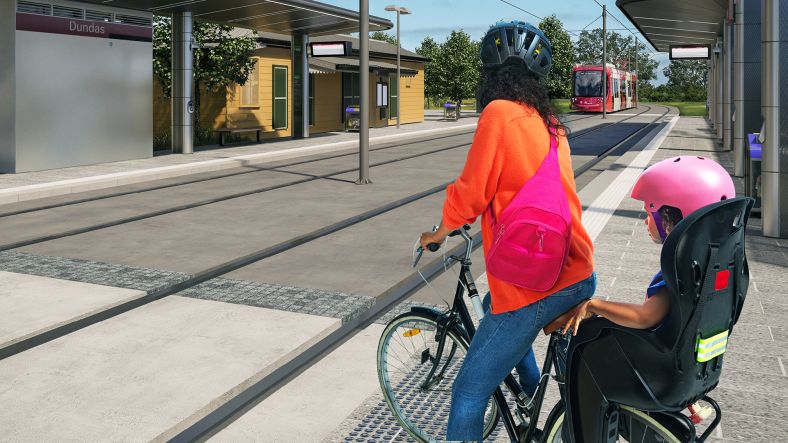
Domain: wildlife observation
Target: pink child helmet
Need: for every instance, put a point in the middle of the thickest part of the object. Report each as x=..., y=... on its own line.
x=687, y=183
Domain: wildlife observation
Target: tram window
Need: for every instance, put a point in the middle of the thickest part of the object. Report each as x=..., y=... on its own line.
x=588, y=83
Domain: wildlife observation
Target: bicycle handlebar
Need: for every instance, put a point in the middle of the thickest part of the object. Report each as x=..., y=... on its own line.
x=434, y=247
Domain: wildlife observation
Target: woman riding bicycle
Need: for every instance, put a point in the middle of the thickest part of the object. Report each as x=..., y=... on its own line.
x=512, y=141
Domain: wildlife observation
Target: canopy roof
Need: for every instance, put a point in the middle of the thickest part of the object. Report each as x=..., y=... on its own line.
x=279, y=16
x=667, y=23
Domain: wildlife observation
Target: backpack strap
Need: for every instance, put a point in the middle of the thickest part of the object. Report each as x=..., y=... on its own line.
x=552, y=152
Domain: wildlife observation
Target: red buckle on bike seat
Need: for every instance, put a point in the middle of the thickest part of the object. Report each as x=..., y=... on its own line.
x=721, y=281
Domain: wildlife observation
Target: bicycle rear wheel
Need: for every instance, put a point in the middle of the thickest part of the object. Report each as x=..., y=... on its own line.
x=407, y=354
x=634, y=426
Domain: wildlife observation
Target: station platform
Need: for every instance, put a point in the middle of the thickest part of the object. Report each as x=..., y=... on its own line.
x=296, y=327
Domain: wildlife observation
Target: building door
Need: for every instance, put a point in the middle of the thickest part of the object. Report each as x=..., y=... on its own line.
x=280, y=109
x=351, y=90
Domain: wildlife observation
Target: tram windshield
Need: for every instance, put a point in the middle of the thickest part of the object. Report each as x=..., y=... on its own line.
x=588, y=83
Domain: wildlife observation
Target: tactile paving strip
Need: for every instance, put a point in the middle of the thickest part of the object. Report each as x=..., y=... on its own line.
x=88, y=271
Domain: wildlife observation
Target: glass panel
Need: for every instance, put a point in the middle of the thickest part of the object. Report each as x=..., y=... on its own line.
x=393, y=106
x=249, y=90
x=588, y=83
x=280, y=113
x=280, y=82
x=280, y=97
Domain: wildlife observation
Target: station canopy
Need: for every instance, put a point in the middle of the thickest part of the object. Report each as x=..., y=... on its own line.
x=279, y=16
x=667, y=23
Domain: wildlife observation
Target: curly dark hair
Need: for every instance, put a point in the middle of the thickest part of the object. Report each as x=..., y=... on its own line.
x=513, y=81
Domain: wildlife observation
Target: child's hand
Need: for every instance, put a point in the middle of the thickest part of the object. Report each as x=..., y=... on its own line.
x=581, y=313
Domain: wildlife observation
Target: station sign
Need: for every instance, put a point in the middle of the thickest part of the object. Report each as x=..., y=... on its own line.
x=331, y=49
x=83, y=28
x=690, y=52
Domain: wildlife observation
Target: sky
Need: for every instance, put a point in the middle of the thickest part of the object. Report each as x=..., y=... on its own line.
x=437, y=18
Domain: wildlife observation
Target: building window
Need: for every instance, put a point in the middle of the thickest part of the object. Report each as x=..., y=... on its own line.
x=350, y=91
x=250, y=90
x=280, y=97
x=311, y=99
x=393, y=96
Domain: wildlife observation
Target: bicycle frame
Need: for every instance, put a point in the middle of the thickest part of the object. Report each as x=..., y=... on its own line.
x=459, y=316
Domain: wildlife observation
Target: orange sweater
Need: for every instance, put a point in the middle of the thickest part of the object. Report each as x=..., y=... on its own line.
x=510, y=143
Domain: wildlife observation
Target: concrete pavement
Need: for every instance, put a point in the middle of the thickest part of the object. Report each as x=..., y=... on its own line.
x=182, y=356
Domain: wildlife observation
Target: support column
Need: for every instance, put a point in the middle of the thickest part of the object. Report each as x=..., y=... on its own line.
x=739, y=146
x=774, y=173
x=727, y=123
x=747, y=85
x=363, y=133
x=720, y=98
x=300, y=81
x=8, y=86
x=182, y=83
x=712, y=89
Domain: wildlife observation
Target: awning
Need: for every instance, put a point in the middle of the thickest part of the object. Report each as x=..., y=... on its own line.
x=279, y=16
x=667, y=23
x=348, y=64
x=319, y=66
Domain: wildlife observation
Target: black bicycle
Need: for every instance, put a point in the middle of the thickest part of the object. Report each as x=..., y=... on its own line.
x=421, y=351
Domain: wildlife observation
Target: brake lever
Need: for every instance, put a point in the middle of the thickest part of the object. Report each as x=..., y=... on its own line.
x=419, y=250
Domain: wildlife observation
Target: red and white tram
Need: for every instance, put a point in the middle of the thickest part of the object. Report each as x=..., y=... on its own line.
x=587, y=88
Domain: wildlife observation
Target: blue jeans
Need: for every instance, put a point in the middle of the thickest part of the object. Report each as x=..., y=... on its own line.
x=502, y=342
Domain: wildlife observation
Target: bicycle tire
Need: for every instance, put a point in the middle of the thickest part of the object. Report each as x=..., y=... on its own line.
x=423, y=417
x=645, y=428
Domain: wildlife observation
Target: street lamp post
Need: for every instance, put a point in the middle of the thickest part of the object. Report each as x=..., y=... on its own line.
x=404, y=11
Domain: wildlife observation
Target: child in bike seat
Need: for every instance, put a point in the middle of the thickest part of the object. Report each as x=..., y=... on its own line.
x=670, y=190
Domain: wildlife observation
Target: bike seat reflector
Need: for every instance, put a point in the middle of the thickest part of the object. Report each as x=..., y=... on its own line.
x=714, y=346
x=721, y=280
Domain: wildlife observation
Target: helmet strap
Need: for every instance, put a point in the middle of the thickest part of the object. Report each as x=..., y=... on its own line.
x=658, y=221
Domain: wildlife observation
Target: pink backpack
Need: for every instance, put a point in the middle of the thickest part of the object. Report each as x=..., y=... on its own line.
x=531, y=239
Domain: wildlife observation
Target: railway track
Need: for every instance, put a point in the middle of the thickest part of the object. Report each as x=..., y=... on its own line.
x=385, y=301
x=261, y=254
x=231, y=410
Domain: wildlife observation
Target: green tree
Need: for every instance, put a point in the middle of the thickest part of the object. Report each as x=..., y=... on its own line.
x=384, y=36
x=620, y=52
x=220, y=58
x=559, y=81
x=686, y=73
x=458, y=67
x=429, y=48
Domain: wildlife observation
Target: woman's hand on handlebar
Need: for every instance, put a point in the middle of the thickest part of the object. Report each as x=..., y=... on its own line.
x=436, y=237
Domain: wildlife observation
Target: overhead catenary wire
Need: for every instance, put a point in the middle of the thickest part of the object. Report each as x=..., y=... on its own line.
x=613, y=16
x=533, y=15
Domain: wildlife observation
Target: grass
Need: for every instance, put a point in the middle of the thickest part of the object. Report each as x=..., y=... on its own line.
x=688, y=109
x=561, y=105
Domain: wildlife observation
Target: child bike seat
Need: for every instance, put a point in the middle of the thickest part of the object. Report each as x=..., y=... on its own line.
x=705, y=269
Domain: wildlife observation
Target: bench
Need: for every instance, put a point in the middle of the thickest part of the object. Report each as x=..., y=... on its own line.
x=223, y=131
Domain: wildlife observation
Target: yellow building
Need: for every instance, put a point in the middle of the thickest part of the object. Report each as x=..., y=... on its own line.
x=266, y=98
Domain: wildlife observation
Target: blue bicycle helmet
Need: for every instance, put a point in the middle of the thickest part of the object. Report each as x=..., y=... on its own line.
x=516, y=40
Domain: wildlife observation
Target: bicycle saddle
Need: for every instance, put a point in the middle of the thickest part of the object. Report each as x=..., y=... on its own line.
x=561, y=320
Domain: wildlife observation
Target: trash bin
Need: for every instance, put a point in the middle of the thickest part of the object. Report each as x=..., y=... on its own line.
x=352, y=119
x=754, y=176
x=451, y=111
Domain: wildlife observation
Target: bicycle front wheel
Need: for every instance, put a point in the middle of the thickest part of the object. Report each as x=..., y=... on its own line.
x=416, y=381
x=634, y=426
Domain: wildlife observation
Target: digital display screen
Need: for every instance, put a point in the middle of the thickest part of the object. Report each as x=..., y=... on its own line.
x=696, y=52
x=327, y=49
